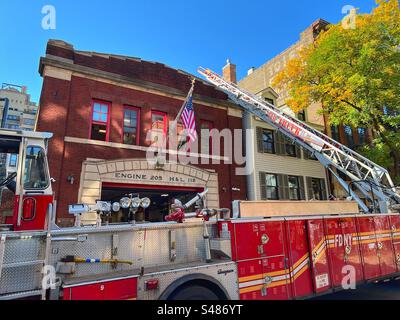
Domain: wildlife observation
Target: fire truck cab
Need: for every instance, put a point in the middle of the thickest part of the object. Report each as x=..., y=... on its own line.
x=30, y=181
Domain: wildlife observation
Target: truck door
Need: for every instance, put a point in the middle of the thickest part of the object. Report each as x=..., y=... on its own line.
x=368, y=246
x=319, y=258
x=274, y=261
x=299, y=258
x=335, y=249
x=262, y=264
x=35, y=189
x=352, y=254
x=343, y=249
x=384, y=245
x=395, y=228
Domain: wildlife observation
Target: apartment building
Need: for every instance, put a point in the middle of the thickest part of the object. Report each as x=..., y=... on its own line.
x=282, y=170
x=17, y=111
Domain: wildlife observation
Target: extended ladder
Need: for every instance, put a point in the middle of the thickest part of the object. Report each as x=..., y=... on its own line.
x=373, y=181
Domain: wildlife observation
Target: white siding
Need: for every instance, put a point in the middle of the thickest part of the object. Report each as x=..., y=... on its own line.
x=278, y=164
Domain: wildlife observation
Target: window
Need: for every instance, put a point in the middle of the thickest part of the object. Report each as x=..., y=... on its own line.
x=29, y=122
x=35, y=176
x=158, y=125
x=13, y=117
x=13, y=160
x=301, y=115
x=294, y=188
x=290, y=149
x=335, y=133
x=131, y=126
x=349, y=136
x=271, y=186
x=316, y=189
x=159, y=121
x=270, y=101
x=268, y=142
x=275, y=142
x=389, y=111
x=362, y=136
x=309, y=155
x=100, y=121
x=206, y=141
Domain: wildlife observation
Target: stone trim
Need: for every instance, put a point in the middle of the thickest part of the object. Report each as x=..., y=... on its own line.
x=131, y=83
x=94, y=173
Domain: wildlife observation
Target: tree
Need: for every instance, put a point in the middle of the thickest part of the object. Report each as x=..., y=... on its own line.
x=354, y=73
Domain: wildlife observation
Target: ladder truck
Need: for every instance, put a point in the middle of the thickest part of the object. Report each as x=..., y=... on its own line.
x=373, y=181
x=209, y=254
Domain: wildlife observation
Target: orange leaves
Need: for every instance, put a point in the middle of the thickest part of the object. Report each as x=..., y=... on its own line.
x=348, y=69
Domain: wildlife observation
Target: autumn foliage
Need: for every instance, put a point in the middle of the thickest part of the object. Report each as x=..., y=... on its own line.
x=355, y=74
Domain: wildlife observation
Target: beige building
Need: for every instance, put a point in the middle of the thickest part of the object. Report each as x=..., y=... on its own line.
x=260, y=79
x=282, y=171
x=20, y=114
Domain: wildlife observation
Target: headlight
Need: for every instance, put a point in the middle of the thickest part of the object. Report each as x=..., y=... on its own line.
x=125, y=202
x=146, y=203
x=116, y=206
x=103, y=205
x=136, y=203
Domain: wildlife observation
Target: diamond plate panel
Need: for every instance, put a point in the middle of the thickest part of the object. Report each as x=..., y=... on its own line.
x=146, y=246
x=24, y=250
x=18, y=279
x=22, y=263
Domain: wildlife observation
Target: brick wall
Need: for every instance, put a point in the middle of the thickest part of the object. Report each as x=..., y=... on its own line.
x=65, y=110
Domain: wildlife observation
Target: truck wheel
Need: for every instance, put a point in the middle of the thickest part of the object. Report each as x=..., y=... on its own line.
x=193, y=292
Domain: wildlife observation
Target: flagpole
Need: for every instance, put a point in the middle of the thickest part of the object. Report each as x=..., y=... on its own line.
x=175, y=123
x=184, y=103
x=178, y=117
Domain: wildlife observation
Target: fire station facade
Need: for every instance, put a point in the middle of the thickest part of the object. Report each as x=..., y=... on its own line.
x=100, y=108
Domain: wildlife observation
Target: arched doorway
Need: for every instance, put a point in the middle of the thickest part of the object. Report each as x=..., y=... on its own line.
x=109, y=180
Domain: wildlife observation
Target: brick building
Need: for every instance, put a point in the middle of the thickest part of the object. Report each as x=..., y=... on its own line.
x=100, y=108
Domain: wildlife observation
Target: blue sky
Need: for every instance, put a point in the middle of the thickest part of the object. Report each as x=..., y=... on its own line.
x=181, y=33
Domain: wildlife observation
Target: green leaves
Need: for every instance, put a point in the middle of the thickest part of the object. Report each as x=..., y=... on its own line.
x=355, y=75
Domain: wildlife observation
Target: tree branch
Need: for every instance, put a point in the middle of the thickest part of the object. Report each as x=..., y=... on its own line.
x=351, y=104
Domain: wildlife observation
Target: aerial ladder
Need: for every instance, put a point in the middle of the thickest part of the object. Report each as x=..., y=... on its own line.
x=372, y=180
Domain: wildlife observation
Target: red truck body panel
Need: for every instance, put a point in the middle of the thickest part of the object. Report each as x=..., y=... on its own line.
x=395, y=228
x=319, y=256
x=299, y=258
x=292, y=258
x=37, y=218
x=125, y=289
x=343, y=249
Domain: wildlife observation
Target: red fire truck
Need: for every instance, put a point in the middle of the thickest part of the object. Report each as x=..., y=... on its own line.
x=211, y=254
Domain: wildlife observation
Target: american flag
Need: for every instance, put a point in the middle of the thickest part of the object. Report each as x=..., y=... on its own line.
x=188, y=119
